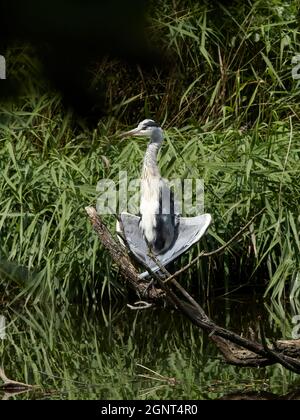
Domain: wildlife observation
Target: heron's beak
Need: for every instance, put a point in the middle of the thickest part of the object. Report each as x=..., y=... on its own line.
x=134, y=132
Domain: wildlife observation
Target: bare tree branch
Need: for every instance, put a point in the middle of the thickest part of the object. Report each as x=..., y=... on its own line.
x=236, y=350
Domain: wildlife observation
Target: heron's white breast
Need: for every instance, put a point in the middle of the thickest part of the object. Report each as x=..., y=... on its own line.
x=149, y=205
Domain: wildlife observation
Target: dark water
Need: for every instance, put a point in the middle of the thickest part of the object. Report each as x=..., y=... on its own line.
x=113, y=352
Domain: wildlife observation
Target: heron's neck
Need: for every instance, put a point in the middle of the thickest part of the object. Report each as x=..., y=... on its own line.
x=150, y=166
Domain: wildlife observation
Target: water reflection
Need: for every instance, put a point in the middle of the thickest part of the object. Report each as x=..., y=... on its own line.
x=112, y=352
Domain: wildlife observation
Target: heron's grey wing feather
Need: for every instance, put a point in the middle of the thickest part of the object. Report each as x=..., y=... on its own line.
x=191, y=229
x=134, y=235
x=135, y=238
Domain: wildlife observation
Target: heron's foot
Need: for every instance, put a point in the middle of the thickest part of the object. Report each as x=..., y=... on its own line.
x=148, y=288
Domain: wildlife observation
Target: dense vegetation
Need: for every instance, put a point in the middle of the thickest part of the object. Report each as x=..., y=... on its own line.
x=230, y=107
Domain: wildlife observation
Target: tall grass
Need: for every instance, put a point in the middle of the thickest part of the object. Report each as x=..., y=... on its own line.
x=231, y=112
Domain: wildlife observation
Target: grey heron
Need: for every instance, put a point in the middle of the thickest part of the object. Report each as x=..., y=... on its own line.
x=159, y=221
x=159, y=226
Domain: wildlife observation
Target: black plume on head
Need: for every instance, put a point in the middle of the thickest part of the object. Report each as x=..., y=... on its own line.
x=150, y=123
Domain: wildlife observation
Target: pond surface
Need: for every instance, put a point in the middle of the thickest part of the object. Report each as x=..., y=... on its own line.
x=117, y=353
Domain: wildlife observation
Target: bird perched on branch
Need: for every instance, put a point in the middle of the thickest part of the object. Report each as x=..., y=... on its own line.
x=159, y=227
x=159, y=220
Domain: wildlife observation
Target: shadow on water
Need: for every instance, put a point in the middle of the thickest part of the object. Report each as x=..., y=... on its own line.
x=117, y=353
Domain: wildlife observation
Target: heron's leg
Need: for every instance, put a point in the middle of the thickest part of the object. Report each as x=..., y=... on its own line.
x=146, y=291
x=158, y=273
x=152, y=281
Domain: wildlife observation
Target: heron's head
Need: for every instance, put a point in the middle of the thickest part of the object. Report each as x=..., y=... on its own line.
x=145, y=129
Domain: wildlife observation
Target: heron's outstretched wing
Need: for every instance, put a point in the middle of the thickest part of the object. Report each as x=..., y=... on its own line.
x=133, y=234
x=190, y=231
